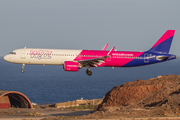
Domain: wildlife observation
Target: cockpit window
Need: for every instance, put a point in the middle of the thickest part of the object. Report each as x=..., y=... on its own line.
x=13, y=53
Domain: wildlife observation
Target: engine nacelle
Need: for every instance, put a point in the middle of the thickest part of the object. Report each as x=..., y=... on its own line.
x=71, y=66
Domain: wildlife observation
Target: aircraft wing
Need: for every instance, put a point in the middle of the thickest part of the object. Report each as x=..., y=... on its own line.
x=96, y=61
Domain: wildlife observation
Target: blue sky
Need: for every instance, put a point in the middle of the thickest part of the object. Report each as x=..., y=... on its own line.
x=129, y=25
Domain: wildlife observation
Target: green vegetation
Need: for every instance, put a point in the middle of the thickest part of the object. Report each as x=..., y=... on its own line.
x=90, y=107
x=66, y=117
x=34, y=113
x=9, y=112
x=60, y=117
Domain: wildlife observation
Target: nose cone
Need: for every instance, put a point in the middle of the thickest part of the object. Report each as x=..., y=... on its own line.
x=7, y=58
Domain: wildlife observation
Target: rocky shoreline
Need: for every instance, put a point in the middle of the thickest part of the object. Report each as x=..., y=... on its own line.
x=158, y=96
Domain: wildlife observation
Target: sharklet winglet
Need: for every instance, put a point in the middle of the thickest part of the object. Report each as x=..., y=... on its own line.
x=104, y=48
x=111, y=51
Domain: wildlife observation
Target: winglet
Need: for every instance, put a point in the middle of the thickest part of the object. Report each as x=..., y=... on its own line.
x=104, y=48
x=108, y=55
x=111, y=51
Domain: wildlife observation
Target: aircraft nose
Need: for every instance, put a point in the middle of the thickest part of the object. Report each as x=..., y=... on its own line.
x=7, y=58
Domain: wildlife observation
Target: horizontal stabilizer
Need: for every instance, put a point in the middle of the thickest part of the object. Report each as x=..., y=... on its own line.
x=163, y=57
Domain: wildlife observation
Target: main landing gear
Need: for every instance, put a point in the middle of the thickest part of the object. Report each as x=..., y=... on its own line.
x=88, y=71
x=23, y=66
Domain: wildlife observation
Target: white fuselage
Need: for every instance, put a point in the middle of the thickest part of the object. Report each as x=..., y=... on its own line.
x=41, y=56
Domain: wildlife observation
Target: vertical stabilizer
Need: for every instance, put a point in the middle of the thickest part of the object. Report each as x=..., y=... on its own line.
x=164, y=43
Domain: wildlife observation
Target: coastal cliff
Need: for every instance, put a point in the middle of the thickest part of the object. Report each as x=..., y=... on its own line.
x=153, y=97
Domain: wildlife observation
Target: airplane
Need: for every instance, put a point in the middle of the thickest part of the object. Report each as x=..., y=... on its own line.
x=73, y=60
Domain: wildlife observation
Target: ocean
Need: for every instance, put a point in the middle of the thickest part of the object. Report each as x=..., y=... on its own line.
x=51, y=84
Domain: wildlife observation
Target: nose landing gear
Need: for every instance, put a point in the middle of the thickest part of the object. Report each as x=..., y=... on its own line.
x=23, y=66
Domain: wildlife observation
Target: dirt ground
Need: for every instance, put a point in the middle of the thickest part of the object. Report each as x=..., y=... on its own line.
x=39, y=113
x=56, y=114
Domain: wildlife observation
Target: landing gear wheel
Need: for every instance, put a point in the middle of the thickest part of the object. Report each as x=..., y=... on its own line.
x=88, y=72
x=22, y=70
x=23, y=66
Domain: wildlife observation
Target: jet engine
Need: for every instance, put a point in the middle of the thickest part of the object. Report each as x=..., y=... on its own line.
x=71, y=66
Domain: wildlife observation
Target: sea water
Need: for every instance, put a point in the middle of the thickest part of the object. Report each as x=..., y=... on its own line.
x=51, y=84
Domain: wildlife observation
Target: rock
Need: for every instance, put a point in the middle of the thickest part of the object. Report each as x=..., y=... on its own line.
x=142, y=98
x=155, y=92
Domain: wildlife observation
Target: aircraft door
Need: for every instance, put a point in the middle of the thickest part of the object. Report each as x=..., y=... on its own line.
x=109, y=58
x=23, y=53
x=146, y=57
